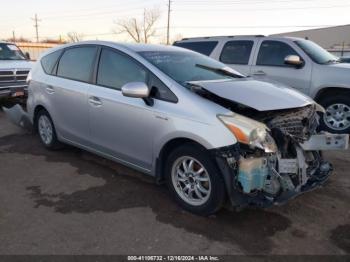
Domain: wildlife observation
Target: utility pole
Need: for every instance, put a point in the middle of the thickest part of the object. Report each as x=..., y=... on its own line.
x=36, y=25
x=13, y=36
x=168, y=27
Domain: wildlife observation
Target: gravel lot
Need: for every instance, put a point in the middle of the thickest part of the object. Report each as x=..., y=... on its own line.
x=71, y=202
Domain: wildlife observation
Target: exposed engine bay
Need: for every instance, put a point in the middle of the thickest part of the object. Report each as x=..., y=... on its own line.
x=266, y=177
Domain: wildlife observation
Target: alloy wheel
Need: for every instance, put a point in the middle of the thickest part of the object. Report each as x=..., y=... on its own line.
x=191, y=180
x=337, y=117
x=45, y=129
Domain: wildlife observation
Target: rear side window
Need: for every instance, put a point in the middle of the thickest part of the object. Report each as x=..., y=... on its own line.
x=273, y=53
x=116, y=70
x=49, y=61
x=77, y=63
x=203, y=47
x=236, y=52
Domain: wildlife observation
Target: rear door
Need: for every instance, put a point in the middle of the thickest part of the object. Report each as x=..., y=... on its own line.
x=69, y=91
x=269, y=64
x=238, y=54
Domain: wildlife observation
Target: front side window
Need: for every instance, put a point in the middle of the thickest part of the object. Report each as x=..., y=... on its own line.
x=77, y=63
x=273, y=53
x=49, y=61
x=316, y=53
x=202, y=47
x=236, y=52
x=116, y=70
x=10, y=52
x=185, y=66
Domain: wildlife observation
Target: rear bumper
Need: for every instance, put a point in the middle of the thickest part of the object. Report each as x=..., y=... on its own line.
x=13, y=91
x=18, y=116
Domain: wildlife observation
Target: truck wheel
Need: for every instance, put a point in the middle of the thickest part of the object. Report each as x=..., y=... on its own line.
x=337, y=117
x=46, y=131
x=194, y=180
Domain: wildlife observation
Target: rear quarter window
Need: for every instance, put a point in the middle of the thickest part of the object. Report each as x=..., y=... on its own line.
x=49, y=61
x=203, y=47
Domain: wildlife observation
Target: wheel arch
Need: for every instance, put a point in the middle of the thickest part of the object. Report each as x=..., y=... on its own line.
x=324, y=92
x=166, y=149
x=37, y=109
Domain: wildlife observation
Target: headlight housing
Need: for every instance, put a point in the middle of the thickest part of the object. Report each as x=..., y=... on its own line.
x=249, y=132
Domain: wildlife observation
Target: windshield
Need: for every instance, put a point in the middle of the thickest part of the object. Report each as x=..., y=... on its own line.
x=316, y=53
x=10, y=52
x=184, y=67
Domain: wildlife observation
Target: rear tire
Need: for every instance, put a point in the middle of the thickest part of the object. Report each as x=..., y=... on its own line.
x=47, y=131
x=337, y=117
x=194, y=180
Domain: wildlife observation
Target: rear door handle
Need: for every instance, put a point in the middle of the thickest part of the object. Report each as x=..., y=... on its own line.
x=259, y=73
x=95, y=101
x=50, y=89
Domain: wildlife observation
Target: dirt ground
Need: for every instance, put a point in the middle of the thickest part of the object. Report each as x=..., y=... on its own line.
x=72, y=202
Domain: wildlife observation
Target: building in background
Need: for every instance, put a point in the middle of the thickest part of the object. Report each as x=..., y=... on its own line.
x=335, y=39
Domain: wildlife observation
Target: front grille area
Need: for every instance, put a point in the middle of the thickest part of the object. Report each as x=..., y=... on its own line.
x=13, y=78
x=7, y=76
x=298, y=123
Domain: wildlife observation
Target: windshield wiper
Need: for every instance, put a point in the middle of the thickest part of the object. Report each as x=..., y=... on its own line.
x=221, y=71
x=330, y=61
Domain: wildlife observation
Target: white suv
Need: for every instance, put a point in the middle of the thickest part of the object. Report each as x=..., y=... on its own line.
x=296, y=62
x=14, y=69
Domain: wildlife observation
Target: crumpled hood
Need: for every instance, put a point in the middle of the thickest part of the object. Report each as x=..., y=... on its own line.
x=15, y=64
x=260, y=95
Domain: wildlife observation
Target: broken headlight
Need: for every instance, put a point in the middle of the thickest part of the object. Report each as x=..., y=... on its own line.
x=250, y=132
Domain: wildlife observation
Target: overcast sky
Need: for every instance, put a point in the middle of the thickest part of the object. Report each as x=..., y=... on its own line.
x=95, y=19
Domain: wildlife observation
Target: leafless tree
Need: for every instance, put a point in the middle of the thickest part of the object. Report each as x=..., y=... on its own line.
x=20, y=39
x=139, y=30
x=74, y=37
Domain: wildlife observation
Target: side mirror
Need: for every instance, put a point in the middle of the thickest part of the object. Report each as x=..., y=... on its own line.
x=27, y=55
x=294, y=60
x=138, y=90
x=135, y=89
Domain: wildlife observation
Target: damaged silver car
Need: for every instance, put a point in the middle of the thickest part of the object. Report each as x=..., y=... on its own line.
x=212, y=134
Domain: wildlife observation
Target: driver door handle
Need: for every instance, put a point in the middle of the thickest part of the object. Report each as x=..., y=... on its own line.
x=95, y=101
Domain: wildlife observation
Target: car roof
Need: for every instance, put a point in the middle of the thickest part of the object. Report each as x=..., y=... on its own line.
x=130, y=46
x=217, y=38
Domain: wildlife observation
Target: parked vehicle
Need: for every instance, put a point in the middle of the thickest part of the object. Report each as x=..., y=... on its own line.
x=14, y=69
x=296, y=62
x=345, y=59
x=210, y=132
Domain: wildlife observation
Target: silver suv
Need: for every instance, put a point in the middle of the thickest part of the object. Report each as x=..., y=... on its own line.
x=206, y=130
x=296, y=62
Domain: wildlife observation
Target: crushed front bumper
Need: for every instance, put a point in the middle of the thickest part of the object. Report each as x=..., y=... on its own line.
x=228, y=160
x=326, y=141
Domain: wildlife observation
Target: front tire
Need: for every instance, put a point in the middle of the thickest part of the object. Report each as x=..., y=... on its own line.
x=337, y=117
x=194, y=180
x=47, y=131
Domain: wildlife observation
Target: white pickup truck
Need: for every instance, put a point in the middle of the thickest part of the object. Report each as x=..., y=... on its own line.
x=14, y=69
x=296, y=62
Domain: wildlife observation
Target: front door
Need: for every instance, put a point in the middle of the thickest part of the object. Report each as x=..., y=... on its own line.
x=120, y=126
x=270, y=65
